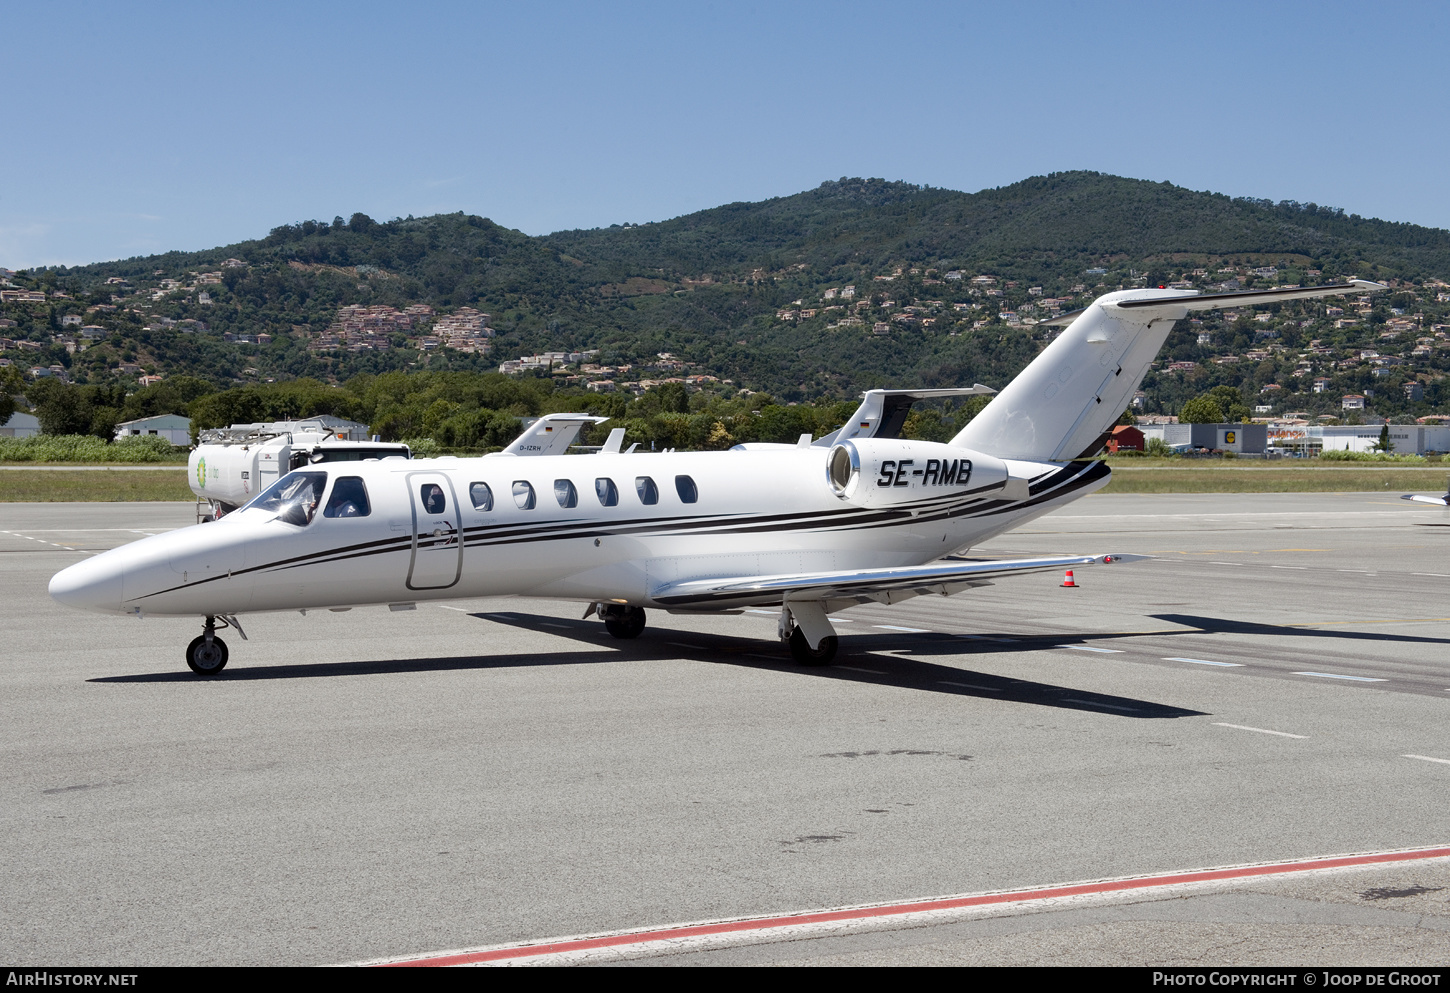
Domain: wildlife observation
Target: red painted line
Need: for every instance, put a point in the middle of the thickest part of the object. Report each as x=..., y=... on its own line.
x=898, y=909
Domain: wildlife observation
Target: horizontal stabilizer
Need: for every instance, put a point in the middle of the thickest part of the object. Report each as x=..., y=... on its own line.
x=935, y=577
x=1251, y=298
x=1244, y=298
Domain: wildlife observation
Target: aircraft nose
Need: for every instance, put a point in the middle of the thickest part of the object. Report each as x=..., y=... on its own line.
x=94, y=584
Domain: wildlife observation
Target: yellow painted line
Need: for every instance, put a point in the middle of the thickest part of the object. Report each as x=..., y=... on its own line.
x=1212, y=551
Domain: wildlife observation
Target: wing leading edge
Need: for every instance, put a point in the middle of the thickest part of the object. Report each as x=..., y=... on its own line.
x=883, y=585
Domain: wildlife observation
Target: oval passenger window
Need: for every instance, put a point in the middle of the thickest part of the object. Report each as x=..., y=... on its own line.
x=523, y=495
x=685, y=487
x=433, y=500
x=606, y=491
x=649, y=493
x=565, y=493
x=481, y=496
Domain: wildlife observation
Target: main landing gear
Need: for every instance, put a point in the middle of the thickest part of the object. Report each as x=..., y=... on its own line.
x=802, y=652
x=622, y=621
x=207, y=654
x=795, y=619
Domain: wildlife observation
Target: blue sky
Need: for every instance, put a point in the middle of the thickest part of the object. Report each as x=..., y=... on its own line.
x=143, y=127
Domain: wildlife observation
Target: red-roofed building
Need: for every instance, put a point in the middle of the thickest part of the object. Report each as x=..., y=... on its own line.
x=1126, y=438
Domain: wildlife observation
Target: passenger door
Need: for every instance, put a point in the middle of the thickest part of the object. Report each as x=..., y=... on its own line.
x=437, y=559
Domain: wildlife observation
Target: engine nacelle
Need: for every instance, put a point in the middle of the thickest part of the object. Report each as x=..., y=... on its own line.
x=888, y=472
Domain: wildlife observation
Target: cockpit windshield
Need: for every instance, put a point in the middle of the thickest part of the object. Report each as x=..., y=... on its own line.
x=293, y=498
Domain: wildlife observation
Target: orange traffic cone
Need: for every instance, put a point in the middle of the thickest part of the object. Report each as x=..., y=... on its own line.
x=1067, y=582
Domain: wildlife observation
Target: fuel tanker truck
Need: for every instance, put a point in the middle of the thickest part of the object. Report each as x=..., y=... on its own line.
x=231, y=465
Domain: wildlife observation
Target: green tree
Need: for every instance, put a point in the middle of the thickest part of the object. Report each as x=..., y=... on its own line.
x=1384, y=444
x=1201, y=410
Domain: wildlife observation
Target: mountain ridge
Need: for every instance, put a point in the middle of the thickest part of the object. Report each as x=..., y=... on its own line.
x=744, y=292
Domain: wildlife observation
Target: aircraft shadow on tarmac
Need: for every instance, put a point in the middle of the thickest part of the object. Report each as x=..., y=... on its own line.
x=314, y=670
x=1225, y=625
x=875, y=668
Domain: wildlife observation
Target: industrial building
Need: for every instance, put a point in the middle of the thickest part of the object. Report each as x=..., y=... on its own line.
x=1244, y=439
x=324, y=424
x=20, y=425
x=1408, y=439
x=175, y=428
x=1301, y=439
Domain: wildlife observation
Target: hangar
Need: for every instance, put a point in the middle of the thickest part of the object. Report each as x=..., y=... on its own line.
x=175, y=428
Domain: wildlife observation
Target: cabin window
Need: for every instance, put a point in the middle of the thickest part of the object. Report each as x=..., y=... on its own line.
x=607, y=492
x=481, y=496
x=649, y=493
x=294, y=497
x=685, y=487
x=565, y=493
x=349, y=498
x=523, y=495
x=433, y=500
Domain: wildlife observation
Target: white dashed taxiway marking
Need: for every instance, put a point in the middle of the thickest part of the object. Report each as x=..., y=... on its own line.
x=1241, y=727
x=1335, y=675
x=1226, y=665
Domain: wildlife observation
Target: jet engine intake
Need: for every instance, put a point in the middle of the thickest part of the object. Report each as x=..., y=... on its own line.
x=890, y=472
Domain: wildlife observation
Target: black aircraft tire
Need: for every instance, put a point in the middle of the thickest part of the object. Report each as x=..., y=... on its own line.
x=802, y=652
x=625, y=622
x=204, y=659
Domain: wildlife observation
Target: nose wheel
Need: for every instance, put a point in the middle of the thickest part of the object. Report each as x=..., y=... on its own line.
x=207, y=657
x=207, y=654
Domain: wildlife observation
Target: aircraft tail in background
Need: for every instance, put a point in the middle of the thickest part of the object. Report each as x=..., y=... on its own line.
x=1067, y=399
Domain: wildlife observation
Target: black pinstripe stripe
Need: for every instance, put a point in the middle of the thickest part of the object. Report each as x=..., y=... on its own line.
x=1051, y=486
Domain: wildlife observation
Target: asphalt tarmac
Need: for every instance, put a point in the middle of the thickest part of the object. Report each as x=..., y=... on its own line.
x=358, y=786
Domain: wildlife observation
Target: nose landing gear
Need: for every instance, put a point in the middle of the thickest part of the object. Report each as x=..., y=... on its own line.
x=207, y=654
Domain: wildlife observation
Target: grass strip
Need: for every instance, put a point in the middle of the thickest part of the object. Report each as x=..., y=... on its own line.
x=98, y=485
x=1287, y=480
x=95, y=485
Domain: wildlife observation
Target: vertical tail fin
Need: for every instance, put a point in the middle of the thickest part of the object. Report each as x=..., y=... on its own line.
x=1065, y=401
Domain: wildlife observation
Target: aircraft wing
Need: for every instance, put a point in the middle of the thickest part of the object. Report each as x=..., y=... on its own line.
x=1439, y=501
x=882, y=585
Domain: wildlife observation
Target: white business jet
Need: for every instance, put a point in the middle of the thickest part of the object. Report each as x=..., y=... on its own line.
x=860, y=515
